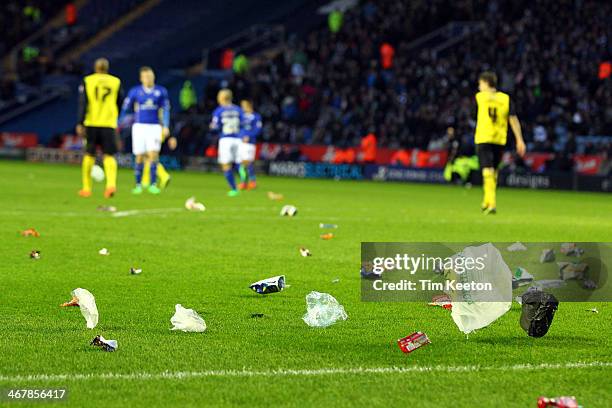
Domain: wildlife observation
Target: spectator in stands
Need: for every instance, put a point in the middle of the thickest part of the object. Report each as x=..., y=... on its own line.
x=369, y=148
x=70, y=14
x=409, y=96
x=401, y=157
x=240, y=64
x=187, y=96
x=387, y=52
x=334, y=21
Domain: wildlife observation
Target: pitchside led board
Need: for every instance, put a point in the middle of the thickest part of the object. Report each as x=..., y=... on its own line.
x=485, y=271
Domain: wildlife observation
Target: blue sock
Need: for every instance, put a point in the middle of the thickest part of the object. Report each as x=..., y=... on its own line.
x=138, y=168
x=153, y=173
x=229, y=176
x=251, y=169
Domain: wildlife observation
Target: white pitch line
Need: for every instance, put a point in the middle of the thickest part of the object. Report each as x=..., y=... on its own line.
x=146, y=211
x=171, y=375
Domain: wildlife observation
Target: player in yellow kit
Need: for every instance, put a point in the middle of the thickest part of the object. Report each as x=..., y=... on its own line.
x=495, y=111
x=100, y=97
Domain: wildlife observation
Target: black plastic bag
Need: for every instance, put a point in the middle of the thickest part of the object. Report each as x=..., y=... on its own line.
x=538, y=312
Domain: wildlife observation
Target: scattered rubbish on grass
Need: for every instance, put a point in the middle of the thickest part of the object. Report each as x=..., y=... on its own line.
x=547, y=255
x=519, y=298
x=333, y=226
x=558, y=402
x=305, y=252
x=538, y=311
x=135, y=271
x=322, y=310
x=521, y=277
x=588, y=284
x=367, y=272
x=104, y=252
x=593, y=310
x=87, y=303
x=549, y=284
x=288, y=210
x=571, y=270
x=517, y=246
x=275, y=196
x=269, y=285
x=256, y=315
x=187, y=320
x=192, y=205
x=474, y=309
x=442, y=300
x=107, y=208
x=327, y=236
x=571, y=249
x=412, y=342
x=30, y=232
x=106, y=345
x=35, y=254
x=97, y=173
x=335, y=280
x=72, y=302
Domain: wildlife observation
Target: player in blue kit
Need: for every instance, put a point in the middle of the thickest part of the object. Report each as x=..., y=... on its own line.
x=227, y=119
x=151, y=105
x=251, y=129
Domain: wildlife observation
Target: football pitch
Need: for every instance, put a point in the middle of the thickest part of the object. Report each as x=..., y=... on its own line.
x=206, y=261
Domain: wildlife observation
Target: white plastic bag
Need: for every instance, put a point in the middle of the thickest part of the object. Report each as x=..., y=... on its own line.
x=87, y=304
x=288, y=210
x=187, y=320
x=323, y=310
x=192, y=205
x=475, y=309
x=517, y=246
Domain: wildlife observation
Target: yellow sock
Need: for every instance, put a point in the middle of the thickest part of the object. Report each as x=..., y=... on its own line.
x=146, y=173
x=110, y=168
x=86, y=166
x=161, y=172
x=489, y=184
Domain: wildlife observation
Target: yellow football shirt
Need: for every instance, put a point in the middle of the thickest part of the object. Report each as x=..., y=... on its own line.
x=492, y=119
x=101, y=100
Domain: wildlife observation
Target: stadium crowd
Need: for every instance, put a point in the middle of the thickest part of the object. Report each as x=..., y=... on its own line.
x=20, y=19
x=359, y=75
x=333, y=87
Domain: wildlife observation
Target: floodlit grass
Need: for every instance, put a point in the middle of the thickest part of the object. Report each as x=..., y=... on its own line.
x=206, y=261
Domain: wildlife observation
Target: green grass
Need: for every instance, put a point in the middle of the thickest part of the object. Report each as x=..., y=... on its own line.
x=207, y=260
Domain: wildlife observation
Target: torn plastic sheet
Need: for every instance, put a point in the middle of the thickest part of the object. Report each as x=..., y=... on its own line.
x=87, y=305
x=475, y=309
x=323, y=310
x=187, y=320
